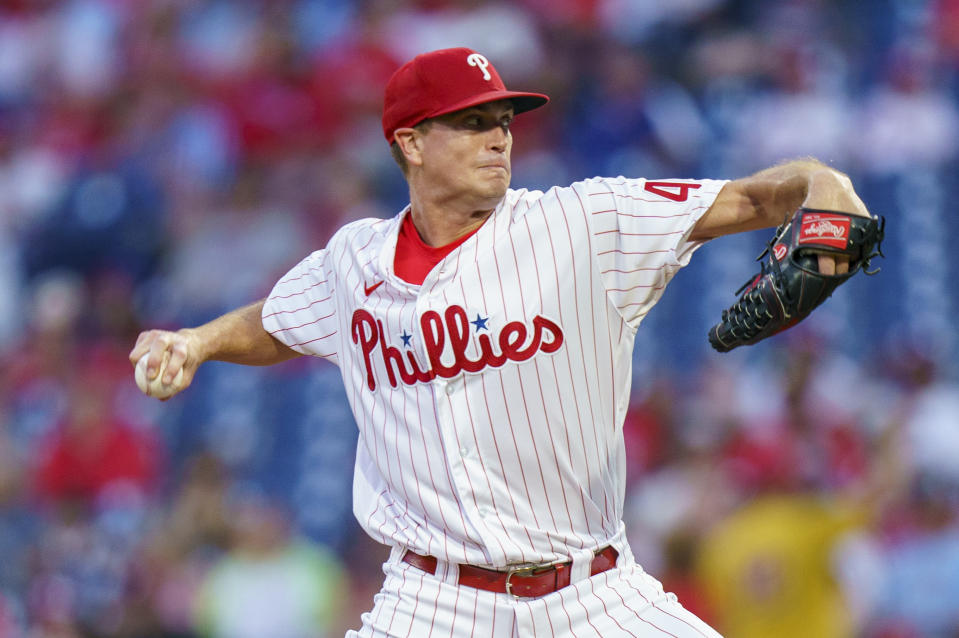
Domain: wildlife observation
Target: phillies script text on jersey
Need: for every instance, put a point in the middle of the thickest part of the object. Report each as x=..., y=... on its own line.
x=515, y=344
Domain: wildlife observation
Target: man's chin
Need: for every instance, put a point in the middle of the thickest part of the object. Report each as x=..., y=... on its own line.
x=497, y=187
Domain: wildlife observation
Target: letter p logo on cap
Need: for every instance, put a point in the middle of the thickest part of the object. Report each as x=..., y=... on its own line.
x=479, y=60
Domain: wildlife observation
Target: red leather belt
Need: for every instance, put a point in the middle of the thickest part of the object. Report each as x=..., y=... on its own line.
x=523, y=582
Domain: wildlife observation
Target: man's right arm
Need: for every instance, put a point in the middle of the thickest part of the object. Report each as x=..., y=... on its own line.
x=236, y=337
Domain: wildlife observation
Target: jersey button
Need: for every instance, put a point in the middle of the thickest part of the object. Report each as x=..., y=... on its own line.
x=464, y=452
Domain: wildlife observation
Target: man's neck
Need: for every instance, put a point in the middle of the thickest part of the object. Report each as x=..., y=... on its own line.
x=441, y=224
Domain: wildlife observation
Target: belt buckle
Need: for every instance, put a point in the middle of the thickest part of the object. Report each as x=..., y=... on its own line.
x=522, y=570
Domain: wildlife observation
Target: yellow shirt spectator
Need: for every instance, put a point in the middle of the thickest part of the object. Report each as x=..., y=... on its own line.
x=768, y=568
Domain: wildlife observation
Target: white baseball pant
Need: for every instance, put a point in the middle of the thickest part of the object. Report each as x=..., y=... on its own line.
x=624, y=601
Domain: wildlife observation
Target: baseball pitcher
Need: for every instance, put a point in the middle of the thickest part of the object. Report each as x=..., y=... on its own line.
x=485, y=337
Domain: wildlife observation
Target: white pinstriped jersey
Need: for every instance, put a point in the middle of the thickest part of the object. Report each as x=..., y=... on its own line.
x=490, y=399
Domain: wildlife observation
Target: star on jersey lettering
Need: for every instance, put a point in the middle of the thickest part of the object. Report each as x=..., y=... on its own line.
x=406, y=338
x=480, y=322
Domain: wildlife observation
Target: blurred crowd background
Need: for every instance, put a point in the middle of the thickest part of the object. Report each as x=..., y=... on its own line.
x=163, y=161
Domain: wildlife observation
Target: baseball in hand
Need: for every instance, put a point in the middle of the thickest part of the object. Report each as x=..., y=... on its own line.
x=155, y=387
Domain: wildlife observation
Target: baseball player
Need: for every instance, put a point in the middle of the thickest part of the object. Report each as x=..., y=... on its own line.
x=485, y=338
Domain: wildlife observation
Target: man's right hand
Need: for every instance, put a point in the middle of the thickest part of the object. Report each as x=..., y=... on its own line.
x=184, y=353
x=236, y=337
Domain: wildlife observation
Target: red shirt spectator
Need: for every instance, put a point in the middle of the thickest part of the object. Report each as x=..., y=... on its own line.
x=92, y=450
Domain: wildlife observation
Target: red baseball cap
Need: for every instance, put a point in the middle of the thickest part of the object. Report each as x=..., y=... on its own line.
x=444, y=81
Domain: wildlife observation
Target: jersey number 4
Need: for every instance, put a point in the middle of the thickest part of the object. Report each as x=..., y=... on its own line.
x=678, y=191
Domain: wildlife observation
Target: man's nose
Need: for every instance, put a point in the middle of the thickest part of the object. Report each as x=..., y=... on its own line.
x=498, y=138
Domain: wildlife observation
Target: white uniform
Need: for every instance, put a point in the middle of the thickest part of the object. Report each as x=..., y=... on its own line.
x=490, y=400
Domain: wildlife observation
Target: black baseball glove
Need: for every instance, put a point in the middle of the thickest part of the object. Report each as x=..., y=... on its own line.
x=789, y=285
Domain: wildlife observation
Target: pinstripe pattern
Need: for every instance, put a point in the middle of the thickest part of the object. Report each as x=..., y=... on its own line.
x=490, y=399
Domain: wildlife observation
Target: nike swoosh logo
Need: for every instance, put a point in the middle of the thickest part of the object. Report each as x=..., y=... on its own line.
x=369, y=289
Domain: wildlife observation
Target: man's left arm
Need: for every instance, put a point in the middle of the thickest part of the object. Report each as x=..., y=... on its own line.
x=771, y=196
x=825, y=236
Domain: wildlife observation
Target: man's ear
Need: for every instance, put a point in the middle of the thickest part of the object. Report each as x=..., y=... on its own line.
x=410, y=142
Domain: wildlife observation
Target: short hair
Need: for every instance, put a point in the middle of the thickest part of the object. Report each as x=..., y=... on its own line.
x=397, y=152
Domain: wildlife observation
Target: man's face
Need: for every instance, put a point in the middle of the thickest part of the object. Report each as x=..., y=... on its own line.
x=467, y=153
